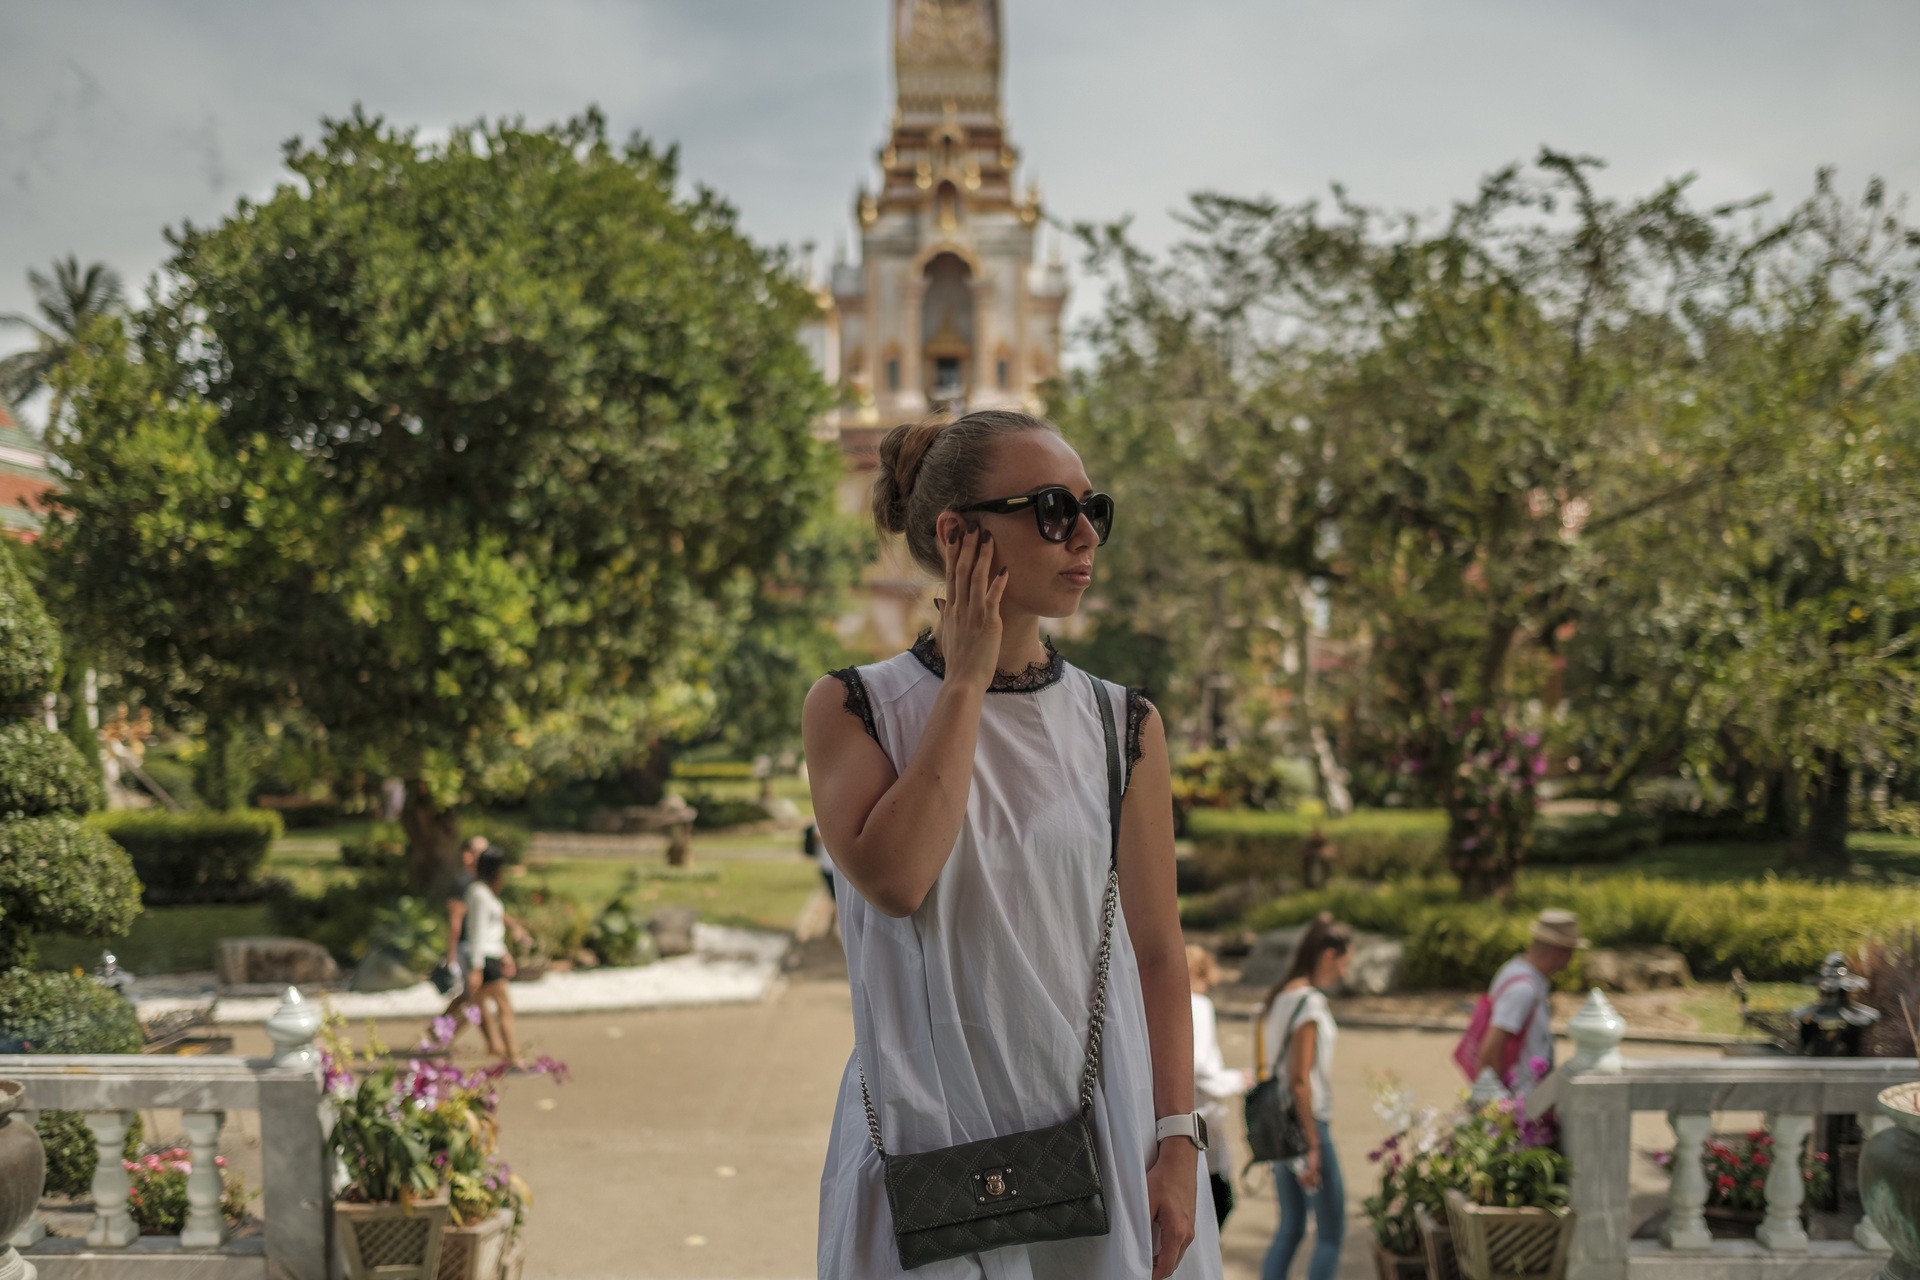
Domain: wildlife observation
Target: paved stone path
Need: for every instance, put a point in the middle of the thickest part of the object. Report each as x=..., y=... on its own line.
x=690, y=1142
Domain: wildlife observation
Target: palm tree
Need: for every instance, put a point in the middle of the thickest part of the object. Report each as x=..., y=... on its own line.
x=68, y=303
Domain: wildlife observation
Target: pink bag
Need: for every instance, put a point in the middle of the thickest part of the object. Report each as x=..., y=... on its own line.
x=1467, y=1053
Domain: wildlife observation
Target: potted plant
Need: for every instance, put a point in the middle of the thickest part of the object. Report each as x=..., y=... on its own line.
x=1408, y=1213
x=1506, y=1196
x=1737, y=1168
x=427, y=1197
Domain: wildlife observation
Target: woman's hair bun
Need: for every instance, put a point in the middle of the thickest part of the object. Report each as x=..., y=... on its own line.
x=902, y=450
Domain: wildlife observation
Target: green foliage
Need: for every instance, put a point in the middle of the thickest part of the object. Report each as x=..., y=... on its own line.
x=64, y=1013
x=1771, y=929
x=414, y=929
x=381, y=1142
x=1370, y=844
x=72, y=1155
x=1247, y=778
x=619, y=935
x=194, y=857
x=1495, y=1158
x=484, y=453
x=42, y=772
x=58, y=876
x=29, y=645
x=1593, y=838
x=713, y=770
x=717, y=812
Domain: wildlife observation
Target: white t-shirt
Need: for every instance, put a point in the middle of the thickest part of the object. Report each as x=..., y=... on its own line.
x=1280, y=1015
x=1215, y=1084
x=486, y=926
x=1521, y=1001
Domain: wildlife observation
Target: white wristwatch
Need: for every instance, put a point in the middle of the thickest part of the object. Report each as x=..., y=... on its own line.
x=1191, y=1126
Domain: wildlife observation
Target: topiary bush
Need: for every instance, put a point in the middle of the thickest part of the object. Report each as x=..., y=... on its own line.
x=194, y=857
x=42, y=772
x=29, y=645
x=59, y=876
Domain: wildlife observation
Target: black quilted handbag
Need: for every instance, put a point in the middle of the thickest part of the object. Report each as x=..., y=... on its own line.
x=1274, y=1131
x=1023, y=1188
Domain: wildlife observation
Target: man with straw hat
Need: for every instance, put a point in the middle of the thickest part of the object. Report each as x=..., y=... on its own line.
x=1521, y=1010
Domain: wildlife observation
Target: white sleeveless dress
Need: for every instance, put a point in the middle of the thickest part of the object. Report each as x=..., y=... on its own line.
x=970, y=1016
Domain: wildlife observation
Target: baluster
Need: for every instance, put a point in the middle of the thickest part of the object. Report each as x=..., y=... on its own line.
x=1786, y=1185
x=112, y=1226
x=1686, y=1227
x=1865, y=1234
x=206, y=1226
x=33, y=1230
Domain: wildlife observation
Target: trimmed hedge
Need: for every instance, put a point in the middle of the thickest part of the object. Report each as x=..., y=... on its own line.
x=42, y=772
x=1373, y=844
x=1591, y=838
x=194, y=857
x=64, y=877
x=1774, y=930
x=65, y=1013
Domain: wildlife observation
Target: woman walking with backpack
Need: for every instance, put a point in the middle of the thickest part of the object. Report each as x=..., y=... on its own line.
x=1297, y=1028
x=1019, y=1103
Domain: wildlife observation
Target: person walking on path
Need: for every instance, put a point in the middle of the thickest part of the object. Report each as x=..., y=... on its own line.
x=1214, y=1082
x=1298, y=1025
x=962, y=789
x=488, y=963
x=457, y=926
x=1518, y=1046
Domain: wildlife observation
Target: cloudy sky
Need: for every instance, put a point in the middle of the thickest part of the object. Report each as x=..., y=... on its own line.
x=119, y=118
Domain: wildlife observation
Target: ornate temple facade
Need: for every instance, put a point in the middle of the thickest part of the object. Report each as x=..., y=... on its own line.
x=950, y=303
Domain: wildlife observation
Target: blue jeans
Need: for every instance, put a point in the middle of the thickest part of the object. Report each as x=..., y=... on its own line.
x=1329, y=1207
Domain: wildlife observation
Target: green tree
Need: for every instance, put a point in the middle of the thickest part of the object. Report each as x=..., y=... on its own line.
x=475, y=453
x=69, y=302
x=1458, y=438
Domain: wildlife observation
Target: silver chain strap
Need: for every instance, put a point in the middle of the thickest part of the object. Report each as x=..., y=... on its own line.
x=1096, y=1022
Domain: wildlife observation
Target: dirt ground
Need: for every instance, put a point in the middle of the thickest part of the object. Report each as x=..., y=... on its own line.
x=689, y=1143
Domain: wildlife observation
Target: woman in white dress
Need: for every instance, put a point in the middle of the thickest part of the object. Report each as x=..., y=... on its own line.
x=962, y=790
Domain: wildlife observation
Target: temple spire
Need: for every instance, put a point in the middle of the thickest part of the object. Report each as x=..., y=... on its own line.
x=946, y=60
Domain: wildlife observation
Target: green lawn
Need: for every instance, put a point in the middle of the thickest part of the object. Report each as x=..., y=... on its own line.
x=162, y=940
x=1877, y=856
x=1713, y=1006
x=757, y=895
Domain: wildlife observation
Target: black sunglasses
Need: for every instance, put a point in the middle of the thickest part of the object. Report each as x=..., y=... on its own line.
x=1056, y=511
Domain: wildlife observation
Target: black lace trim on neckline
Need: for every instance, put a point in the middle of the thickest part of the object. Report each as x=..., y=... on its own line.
x=1036, y=676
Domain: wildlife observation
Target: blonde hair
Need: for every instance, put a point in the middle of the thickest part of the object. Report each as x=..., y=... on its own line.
x=1201, y=966
x=934, y=465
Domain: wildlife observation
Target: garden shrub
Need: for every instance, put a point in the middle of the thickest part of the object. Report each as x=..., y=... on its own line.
x=1373, y=844
x=1245, y=778
x=66, y=1013
x=42, y=772
x=195, y=857
x=29, y=644
x=714, y=771
x=298, y=813
x=1773, y=930
x=714, y=812
x=1592, y=838
x=60, y=876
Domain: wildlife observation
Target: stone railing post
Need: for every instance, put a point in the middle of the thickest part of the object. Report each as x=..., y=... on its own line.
x=1597, y=1031
x=112, y=1225
x=292, y=1028
x=206, y=1225
x=33, y=1230
x=1686, y=1227
x=1786, y=1185
x=1865, y=1234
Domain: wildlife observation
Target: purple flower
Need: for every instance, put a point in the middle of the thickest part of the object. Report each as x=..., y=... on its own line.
x=1531, y=740
x=1539, y=1066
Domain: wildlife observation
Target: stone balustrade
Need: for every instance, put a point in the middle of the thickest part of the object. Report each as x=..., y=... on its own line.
x=296, y=1191
x=1596, y=1096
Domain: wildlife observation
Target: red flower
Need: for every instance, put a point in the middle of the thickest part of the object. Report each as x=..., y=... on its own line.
x=1724, y=1182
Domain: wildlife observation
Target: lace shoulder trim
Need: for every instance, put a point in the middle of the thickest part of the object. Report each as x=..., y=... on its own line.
x=1036, y=676
x=1137, y=710
x=857, y=701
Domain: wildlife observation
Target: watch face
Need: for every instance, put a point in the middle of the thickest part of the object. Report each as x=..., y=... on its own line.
x=1200, y=1130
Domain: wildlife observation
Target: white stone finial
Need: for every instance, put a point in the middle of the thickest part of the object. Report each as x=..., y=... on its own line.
x=1487, y=1088
x=1597, y=1031
x=292, y=1029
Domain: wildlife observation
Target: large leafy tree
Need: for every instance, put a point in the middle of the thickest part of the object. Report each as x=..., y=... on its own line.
x=1459, y=437
x=68, y=302
x=478, y=454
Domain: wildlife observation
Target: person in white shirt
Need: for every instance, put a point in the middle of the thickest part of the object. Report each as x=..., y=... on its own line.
x=1522, y=1006
x=1215, y=1084
x=1298, y=1031
x=489, y=963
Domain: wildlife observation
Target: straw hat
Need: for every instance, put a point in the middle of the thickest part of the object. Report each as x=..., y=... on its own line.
x=1557, y=928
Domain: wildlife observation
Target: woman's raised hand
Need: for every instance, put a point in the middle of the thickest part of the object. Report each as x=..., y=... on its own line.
x=970, y=618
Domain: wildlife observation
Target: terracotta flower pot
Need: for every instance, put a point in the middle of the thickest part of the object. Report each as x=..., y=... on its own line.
x=391, y=1241
x=1890, y=1180
x=23, y=1171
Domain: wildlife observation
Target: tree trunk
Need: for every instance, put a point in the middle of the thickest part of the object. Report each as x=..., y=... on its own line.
x=1484, y=868
x=433, y=839
x=1822, y=845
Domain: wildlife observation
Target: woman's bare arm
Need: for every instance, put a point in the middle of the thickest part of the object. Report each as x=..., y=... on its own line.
x=890, y=834
x=1153, y=922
